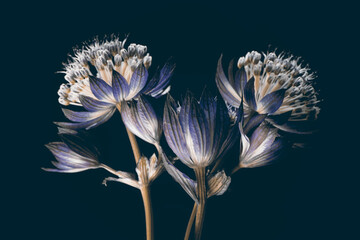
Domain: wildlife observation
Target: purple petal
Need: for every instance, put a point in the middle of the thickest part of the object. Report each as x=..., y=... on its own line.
x=249, y=93
x=185, y=182
x=240, y=80
x=271, y=102
x=254, y=121
x=120, y=87
x=174, y=133
x=79, y=146
x=88, y=124
x=100, y=88
x=226, y=90
x=93, y=105
x=82, y=116
x=157, y=85
x=137, y=82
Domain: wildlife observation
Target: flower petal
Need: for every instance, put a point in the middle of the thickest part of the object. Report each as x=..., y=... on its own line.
x=93, y=105
x=185, y=182
x=82, y=116
x=240, y=81
x=137, y=82
x=226, y=90
x=120, y=87
x=88, y=124
x=249, y=94
x=101, y=89
x=271, y=102
x=79, y=146
x=158, y=85
x=174, y=133
x=254, y=121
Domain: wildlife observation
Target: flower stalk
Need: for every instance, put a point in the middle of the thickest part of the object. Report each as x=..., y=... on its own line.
x=145, y=193
x=191, y=222
x=201, y=192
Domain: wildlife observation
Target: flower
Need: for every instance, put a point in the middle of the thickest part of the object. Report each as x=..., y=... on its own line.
x=74, y=154
x=140, y=118
x=102, y=75
x=72, y=157
x=199, y=133
x=262, y=147
x=275, y=88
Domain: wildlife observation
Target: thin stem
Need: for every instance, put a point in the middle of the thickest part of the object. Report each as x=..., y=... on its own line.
x=235, y=169
x=132, y=138
x=145, y=193
x=201, y=192
x=191, y=222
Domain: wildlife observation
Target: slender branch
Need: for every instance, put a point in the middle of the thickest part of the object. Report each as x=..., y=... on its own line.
x=132, y=138
x=201, y=192
x=191, y=222
x=145, y=193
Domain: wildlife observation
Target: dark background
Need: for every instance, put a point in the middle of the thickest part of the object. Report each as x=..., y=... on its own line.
x=308, y=195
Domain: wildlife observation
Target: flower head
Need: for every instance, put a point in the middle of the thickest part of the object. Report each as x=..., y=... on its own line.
x=73, y=155
x=198, y=132
x=262, y=147
x=104, y=74
x=274, y=87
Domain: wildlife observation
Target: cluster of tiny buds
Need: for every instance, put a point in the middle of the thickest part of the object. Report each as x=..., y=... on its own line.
x=273, y=72
x=100, y=59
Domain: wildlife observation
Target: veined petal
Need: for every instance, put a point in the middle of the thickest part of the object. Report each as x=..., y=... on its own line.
x=244, y=143
x=101, y=89
x=120, y=87
x=174, y=133
x=226, y=90
x=249, y=94
x=79, y=146
x=88, y=124
x=240, y=81
x=264, y=158
x=137, y=82
x=185, y=182
x=158, y=85
x=83, y=116
x=254, y=121
x=271, y=102
x=93, y=105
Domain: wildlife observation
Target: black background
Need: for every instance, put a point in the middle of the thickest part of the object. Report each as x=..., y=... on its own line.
x=308, y=195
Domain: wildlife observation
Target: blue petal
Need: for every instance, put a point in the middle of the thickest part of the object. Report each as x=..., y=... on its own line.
x=120, y=87
x=79, y=146
x=88, y=124
x=100, y=88
x=271, y=102
x=254, y=121
x=137, y=82
x=226, y=90
x=93, y=105
x=249, y=94
x=240, y=80
x=148, y=117
x=174, y=133
x=185, y=182
x=157, y=85
x=83, y=116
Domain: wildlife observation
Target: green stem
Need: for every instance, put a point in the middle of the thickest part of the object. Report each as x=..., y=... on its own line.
x=201, y=192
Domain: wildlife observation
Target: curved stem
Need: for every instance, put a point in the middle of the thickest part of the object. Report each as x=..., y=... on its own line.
x=201, y=191
x=145, y=193
x=191, y=222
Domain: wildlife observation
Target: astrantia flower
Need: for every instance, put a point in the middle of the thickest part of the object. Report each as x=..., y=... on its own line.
x=263, y=146
x=102, y=75
x=199, y=133
x=275, y=88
